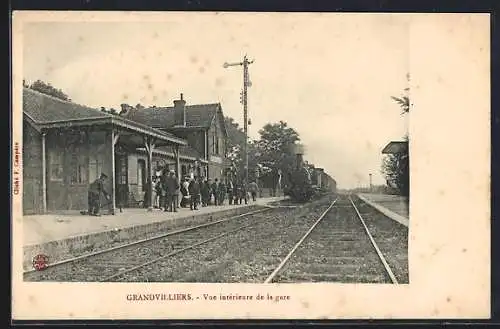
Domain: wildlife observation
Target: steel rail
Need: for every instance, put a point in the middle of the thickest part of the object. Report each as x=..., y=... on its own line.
x=379, y=253
x=297, y=245
x=156, y=260
x=157, y=237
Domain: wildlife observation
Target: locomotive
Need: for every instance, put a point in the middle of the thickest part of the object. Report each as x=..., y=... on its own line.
x=306, y=182
x=300, y=187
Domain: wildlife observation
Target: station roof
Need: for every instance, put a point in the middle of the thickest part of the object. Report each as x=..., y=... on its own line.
x=46, y=111
x=396, y=147
x=198, y=116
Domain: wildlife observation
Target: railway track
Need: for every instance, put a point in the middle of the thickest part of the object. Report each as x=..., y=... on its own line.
x=334, y=245
x=338, y=247
x=108, y=264
x=248, y=255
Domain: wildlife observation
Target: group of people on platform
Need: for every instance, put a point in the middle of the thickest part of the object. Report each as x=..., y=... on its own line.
x=191, y=192
x=194, y=192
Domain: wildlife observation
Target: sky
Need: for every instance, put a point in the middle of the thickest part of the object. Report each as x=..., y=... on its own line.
x=329, y=76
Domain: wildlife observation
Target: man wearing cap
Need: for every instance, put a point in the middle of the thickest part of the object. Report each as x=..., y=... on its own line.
x=205, y=192
x=94, y=194
x=194, y=192
x=221, y=193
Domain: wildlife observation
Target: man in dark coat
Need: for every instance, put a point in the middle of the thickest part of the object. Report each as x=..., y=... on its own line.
x=243, y=193
x=221, y=190
x=171, y=186
x=209, y=185
x=205, y=193
x=236, y=192
x=194, y=192
x=163, y=186
x=94, y=194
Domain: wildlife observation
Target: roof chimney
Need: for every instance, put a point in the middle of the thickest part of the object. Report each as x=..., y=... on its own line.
x=125, y=109
x=180, y=112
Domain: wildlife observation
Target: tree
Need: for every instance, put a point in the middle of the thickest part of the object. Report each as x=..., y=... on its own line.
x=236, y=146
x=48, y=89
x=276, y=148
x=272, y=151
x=396, y=170
x=404, y=100
x=236, y=135
x=110, y=110
x=396, y=167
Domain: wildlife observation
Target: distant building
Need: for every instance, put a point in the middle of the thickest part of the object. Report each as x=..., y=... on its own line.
x=400, y=149
x=396, y=147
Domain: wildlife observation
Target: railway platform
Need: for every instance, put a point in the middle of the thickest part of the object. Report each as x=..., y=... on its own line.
x=66, y=235
x=393, y=206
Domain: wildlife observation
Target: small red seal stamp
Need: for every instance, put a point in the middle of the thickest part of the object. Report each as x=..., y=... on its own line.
x=40, y=262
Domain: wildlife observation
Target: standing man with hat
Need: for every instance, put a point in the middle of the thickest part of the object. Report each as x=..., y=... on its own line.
x=171, y=187
x=194, y=192
x=94, y=194
x=205, y=192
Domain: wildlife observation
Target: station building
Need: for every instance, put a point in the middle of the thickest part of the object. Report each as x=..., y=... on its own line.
x=66, y=146
x=201, y=125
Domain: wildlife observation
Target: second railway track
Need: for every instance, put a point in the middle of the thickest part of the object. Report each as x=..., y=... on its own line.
x=113, y=262
x=339, y=247
x=248, y=255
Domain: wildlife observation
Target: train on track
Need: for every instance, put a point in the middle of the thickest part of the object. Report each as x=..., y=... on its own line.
x=305, y=182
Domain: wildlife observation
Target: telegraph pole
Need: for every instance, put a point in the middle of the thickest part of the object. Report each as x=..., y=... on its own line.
x=244, y=100
x=370, y=182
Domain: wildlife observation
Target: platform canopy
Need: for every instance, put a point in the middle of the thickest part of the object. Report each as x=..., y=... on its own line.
x=46, y=112
x=396, y=147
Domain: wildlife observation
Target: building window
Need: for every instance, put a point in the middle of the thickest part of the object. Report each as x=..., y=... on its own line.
x=183, y=171
x=122, y=170
x=141, y=174
x=96, y=165
x=78, y=167
x=215, y=143
x=56, y=166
